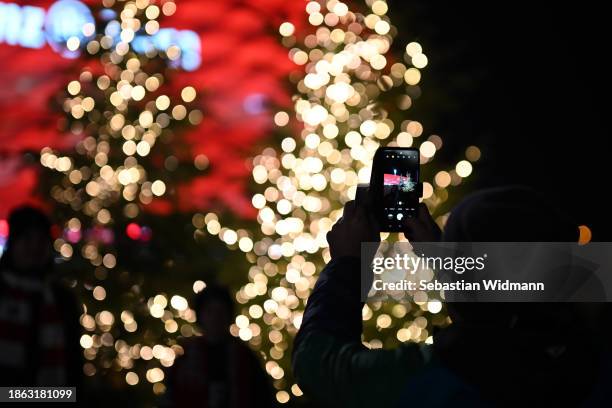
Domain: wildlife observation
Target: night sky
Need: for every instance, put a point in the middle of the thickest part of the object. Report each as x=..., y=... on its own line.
x=525, y=82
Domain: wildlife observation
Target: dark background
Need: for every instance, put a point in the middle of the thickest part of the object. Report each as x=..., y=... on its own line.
x=527, y=83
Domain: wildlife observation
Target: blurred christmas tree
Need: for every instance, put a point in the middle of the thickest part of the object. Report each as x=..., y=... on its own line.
x=117, y=200
x=353, y=96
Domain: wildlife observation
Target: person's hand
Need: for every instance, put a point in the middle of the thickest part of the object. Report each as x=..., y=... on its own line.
x=356, y=225
x=422, y=228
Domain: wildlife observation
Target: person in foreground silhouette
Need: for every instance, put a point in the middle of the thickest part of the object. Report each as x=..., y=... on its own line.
x=492, y=355
x=39, y=325
x=216, y=369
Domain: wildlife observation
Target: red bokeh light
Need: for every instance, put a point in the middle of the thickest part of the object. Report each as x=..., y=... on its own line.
x=4, y=228
x=133, y=231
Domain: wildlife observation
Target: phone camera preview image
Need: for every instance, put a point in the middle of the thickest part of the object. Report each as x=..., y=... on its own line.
x=396, y=173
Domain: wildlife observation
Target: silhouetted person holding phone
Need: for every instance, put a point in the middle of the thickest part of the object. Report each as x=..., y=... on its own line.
x=492, y=355
x=39, y=327
x=217, y=370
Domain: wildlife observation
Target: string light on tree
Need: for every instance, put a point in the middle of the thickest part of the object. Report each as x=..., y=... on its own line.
x=352, y=97
x=121, y=112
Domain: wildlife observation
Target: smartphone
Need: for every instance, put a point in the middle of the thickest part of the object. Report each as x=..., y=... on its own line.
x=395, y=187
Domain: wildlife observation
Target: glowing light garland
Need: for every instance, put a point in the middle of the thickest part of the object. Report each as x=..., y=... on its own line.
x=343, y=114
x=126, y=118
x=304, y=184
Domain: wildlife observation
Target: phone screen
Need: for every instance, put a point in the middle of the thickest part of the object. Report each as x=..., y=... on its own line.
x=396, y=173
